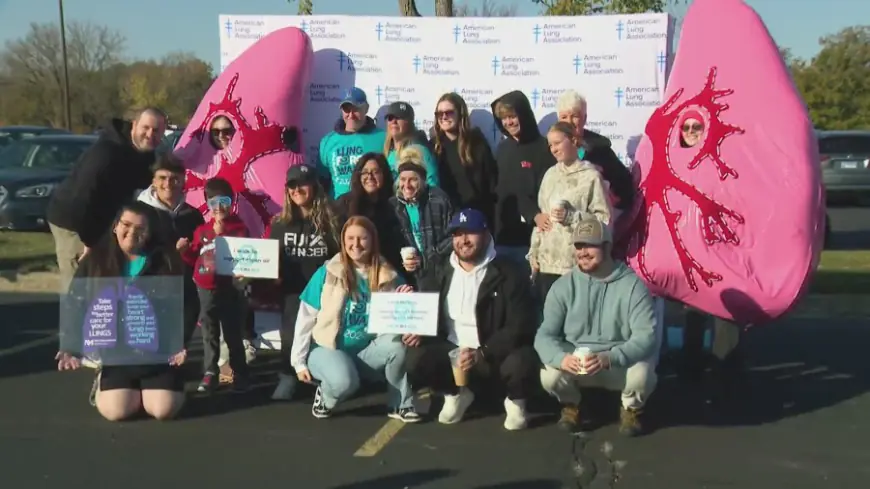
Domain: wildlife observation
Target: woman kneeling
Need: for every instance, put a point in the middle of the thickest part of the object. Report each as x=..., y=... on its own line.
x=122, y=391
x=331, y=344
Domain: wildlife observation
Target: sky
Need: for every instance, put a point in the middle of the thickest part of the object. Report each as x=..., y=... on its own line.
x=157, y=27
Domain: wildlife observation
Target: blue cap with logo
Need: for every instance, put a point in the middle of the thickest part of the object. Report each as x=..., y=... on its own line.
x=468, y=220
x=354, y=96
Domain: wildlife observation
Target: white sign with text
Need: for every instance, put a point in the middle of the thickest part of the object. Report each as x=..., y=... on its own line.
x=404, y=313
x=246, y=257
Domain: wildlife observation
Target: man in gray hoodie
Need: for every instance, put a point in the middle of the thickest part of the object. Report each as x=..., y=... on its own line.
x=599, y=330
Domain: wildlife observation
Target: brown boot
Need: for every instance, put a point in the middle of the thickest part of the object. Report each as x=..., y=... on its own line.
x=570, y=418
x=629, y=421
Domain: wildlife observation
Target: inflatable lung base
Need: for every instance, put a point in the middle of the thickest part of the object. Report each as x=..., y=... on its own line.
x=263, y=93
x=732, y=225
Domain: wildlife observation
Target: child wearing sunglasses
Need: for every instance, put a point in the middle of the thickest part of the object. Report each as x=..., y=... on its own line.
x=221, y=298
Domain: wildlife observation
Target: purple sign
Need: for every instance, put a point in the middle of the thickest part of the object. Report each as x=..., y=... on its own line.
x=100, y=325
x=140, y=321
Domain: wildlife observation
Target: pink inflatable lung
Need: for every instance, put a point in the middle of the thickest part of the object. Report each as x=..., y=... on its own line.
x=263, y=93
x=734, y=224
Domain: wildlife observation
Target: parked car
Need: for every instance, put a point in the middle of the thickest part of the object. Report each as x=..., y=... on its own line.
x=170, y=140
x=845, y=160
x=9, y=134
x=30, y=169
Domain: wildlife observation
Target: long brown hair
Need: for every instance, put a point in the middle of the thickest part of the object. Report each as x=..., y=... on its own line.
x=466, y=133
x=374, y=256
x=390, y=143
x=323, y=215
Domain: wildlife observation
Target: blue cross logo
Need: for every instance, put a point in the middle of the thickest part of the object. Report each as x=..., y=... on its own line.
x=457, y=32
x=618, y=94
x=578, y=63
x=379, y=29
x=620, y=28
x=537, y=32
x=417, y=62
x=536, y=95
x=344, y=62
x=228, y=26
x=304, y=26
x=495, y=64
x=379, y=93
x=662, y=61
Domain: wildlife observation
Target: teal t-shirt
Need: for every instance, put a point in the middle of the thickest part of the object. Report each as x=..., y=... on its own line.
x=339, y=153
x=428, y=161
x=353, y=334
x=414, y=216
x=132, y=268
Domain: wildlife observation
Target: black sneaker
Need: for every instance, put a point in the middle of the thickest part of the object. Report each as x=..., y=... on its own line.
x=208, y=383
x=319, y=409
x=405, y=415
x=241, y=383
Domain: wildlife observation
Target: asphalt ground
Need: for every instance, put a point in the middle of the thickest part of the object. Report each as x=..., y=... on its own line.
x=799, y=421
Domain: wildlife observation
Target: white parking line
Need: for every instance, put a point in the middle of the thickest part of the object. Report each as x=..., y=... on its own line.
x=28, y=346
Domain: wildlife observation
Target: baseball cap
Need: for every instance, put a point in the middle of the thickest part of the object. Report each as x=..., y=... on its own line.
x=592, y=232
x=469, y=220
x=301, y=173
x=401, y=110
x=354, y=96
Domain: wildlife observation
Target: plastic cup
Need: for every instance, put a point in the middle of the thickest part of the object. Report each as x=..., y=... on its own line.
x=460, y=377
x=582, y=353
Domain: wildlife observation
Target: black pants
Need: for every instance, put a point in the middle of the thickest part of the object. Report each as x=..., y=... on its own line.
x=288, y=329
x=543, y=283
x=191, y=312
x=221, y=308
x=429, y=366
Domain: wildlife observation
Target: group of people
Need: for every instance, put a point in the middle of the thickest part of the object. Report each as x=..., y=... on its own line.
x=517, y=243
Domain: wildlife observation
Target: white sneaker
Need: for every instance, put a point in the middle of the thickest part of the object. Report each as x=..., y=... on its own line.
x=224, y=356
x=515, y=414
x=285, y=389
x=250, y=351
x=455, y=406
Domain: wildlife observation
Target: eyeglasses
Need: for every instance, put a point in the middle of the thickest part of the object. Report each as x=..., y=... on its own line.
x=445, y=114
x=693, y=127
x=223, y=131
x=370, y=173
x=347, y=108
x=220, y=202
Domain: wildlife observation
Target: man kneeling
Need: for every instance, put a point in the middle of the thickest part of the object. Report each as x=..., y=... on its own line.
x=598, y=331
x=486, y=326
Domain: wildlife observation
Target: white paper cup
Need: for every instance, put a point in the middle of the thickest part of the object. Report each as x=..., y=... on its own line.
x=557, y=205
x=408, y=253
x=582, y=353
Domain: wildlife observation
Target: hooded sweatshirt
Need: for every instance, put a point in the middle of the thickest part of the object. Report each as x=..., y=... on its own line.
x=521, y=165
x=460, y=308
x=303, y=251
x=612, y=314
x=339, y=151
x=582, y=186
x=598, y=151
x=429, y=161
x=104, y=179
x=169, y=225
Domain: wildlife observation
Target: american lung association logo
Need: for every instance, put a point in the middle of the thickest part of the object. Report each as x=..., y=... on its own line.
x=324, y=93
x=556, y=33
x=475, y=34
x=636, y=97
x=514, y=66
x=403, y=32
x=361, y=62
x=250, y=29
x=545, y=98
x=639, y=29
x=597, y=64
x=319, y=28
x=434, y=65
x=387, y=94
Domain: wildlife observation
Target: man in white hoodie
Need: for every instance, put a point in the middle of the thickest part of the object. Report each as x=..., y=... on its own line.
x=487, y=317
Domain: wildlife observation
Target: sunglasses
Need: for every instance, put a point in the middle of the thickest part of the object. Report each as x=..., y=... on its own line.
x=445, y=114
x=223, y=131
x=347, y=108
x=294, y=184
x=220, y=202
x=693, y=127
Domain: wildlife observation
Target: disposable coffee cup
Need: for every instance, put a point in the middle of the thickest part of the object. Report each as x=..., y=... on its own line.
x=460, y=377
x=557, y=205
x=408, y=253
x=582, y=353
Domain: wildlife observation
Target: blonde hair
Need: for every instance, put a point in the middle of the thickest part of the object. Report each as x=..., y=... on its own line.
x=410, y=154
x=397, y=144
x=323, y=214
x=570, y=101
x=503, y=109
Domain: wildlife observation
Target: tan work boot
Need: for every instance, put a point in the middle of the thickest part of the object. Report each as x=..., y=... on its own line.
x=570, y=418
x=629, y=421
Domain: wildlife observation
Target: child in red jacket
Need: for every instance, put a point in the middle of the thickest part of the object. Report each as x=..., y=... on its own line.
x=220, y=296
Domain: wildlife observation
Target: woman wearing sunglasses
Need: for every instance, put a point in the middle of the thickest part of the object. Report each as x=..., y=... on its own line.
x=221, y=132
x=402, y=132
x=465, y=163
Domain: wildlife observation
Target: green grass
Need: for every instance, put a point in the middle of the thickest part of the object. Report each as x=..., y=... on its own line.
x=841, y=272
x=27, y=252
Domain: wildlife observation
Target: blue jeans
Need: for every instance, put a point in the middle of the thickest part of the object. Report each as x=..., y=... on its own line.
x=340, y=372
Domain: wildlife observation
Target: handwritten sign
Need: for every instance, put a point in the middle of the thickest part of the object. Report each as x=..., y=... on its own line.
x=248, y=257
x=100, y=323
x=404, y=313
x=140, y=321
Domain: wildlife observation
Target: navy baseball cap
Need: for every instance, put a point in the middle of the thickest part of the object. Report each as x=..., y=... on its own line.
x=468, y=220
x=401, y=110
x=354, y=96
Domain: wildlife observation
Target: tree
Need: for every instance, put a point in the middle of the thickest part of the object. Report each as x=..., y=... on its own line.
x=306, y=7
x=443, y=8
x=485, y=8
x=588, y=7
x=835, y=84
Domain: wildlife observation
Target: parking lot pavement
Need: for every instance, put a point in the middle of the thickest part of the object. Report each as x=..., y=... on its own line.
x=799, y=422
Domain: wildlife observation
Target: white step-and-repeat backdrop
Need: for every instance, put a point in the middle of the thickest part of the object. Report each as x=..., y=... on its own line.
x=619, y=63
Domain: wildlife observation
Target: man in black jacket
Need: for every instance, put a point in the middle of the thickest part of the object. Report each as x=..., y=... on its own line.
x=487, y=323
x=522, y=159
x=173, y=219
x=106, y=177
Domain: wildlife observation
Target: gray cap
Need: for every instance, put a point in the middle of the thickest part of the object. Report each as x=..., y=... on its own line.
x=592, y=232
